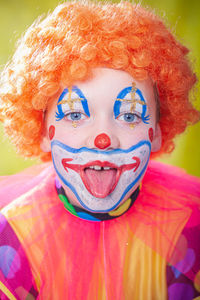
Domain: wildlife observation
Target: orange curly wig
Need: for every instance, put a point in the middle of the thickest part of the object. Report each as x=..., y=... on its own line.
x=79, y=36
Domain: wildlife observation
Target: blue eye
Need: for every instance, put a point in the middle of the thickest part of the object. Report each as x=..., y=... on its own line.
x=75, y=116
x=129, y=118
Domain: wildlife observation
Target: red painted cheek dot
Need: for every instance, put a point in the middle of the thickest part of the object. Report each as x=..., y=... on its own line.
x=51, y=132
x=151, y=134
x=102, y=141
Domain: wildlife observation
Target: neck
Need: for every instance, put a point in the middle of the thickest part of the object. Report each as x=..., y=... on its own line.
x=87, y=215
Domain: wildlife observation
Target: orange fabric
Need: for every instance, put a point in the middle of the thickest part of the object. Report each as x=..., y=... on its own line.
x=121, y=259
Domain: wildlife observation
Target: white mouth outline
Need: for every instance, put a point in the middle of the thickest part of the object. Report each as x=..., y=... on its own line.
x=85, y=149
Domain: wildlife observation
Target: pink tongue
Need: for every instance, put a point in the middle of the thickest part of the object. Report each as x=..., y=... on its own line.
x=100, y=183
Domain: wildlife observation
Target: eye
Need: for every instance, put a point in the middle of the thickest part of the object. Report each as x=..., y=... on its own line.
x=75, y=116
x=129, y=118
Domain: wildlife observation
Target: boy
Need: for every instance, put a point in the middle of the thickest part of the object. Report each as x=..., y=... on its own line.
x=101, y=89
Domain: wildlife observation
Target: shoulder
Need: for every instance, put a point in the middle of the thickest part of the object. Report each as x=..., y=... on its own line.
x=171, y=199
x=32, y=202
x=33, y=191
x=173, y=190
x=173, y=180
x=170, y=172
x=13, y=186
x=17, y=227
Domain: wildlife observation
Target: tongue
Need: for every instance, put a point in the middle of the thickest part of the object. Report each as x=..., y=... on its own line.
x=100, y=183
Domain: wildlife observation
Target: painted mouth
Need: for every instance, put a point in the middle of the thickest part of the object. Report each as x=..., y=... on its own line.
x=100, y=178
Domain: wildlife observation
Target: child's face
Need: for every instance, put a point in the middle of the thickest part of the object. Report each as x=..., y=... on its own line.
x=101, y=133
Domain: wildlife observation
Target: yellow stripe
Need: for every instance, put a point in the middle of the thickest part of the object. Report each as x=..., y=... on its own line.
x=6, y=291
x=121, y=209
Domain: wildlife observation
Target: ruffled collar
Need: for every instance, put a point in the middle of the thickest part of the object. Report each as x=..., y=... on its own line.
x=90, y=216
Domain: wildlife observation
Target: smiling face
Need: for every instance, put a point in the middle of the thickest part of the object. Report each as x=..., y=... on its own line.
x=101, y=133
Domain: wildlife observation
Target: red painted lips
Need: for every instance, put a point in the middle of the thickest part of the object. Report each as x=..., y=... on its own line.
x=100, y=178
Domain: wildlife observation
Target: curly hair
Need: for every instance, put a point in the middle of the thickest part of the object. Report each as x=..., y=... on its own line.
x=79, y=36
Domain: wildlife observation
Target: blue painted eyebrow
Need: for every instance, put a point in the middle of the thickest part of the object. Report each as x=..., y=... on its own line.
x=122, y=94
x=60, y=114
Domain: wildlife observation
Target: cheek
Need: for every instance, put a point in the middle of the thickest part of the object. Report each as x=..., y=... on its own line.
x=151, y=134
x=51, y=132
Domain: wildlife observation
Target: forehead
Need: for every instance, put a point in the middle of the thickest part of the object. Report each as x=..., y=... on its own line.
x=102, y=89
x=106, y=84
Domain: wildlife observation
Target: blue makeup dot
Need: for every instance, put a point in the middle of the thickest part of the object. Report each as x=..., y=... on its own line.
x=86, y=216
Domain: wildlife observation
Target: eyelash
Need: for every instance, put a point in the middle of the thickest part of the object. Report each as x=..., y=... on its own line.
x=75, y=112
x=132, y=114
x=146, y=119
x=59, y=116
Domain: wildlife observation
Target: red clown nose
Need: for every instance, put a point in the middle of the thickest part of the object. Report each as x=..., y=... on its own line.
x=102, y=141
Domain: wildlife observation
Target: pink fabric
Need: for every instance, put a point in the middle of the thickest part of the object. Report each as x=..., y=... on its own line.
x=11, y=187
x=73, y=258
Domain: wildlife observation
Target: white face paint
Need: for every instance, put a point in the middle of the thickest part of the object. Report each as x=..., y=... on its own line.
x=112, y=104
x=100, y=180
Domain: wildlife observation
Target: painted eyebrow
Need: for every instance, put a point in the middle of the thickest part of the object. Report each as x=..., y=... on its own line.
x=131, y=90
x=80, y=98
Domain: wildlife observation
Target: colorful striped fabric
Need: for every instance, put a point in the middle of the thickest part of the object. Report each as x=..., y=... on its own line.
x=150, y=252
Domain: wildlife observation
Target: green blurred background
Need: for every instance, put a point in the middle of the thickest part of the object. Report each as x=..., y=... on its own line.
x=182, y=16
